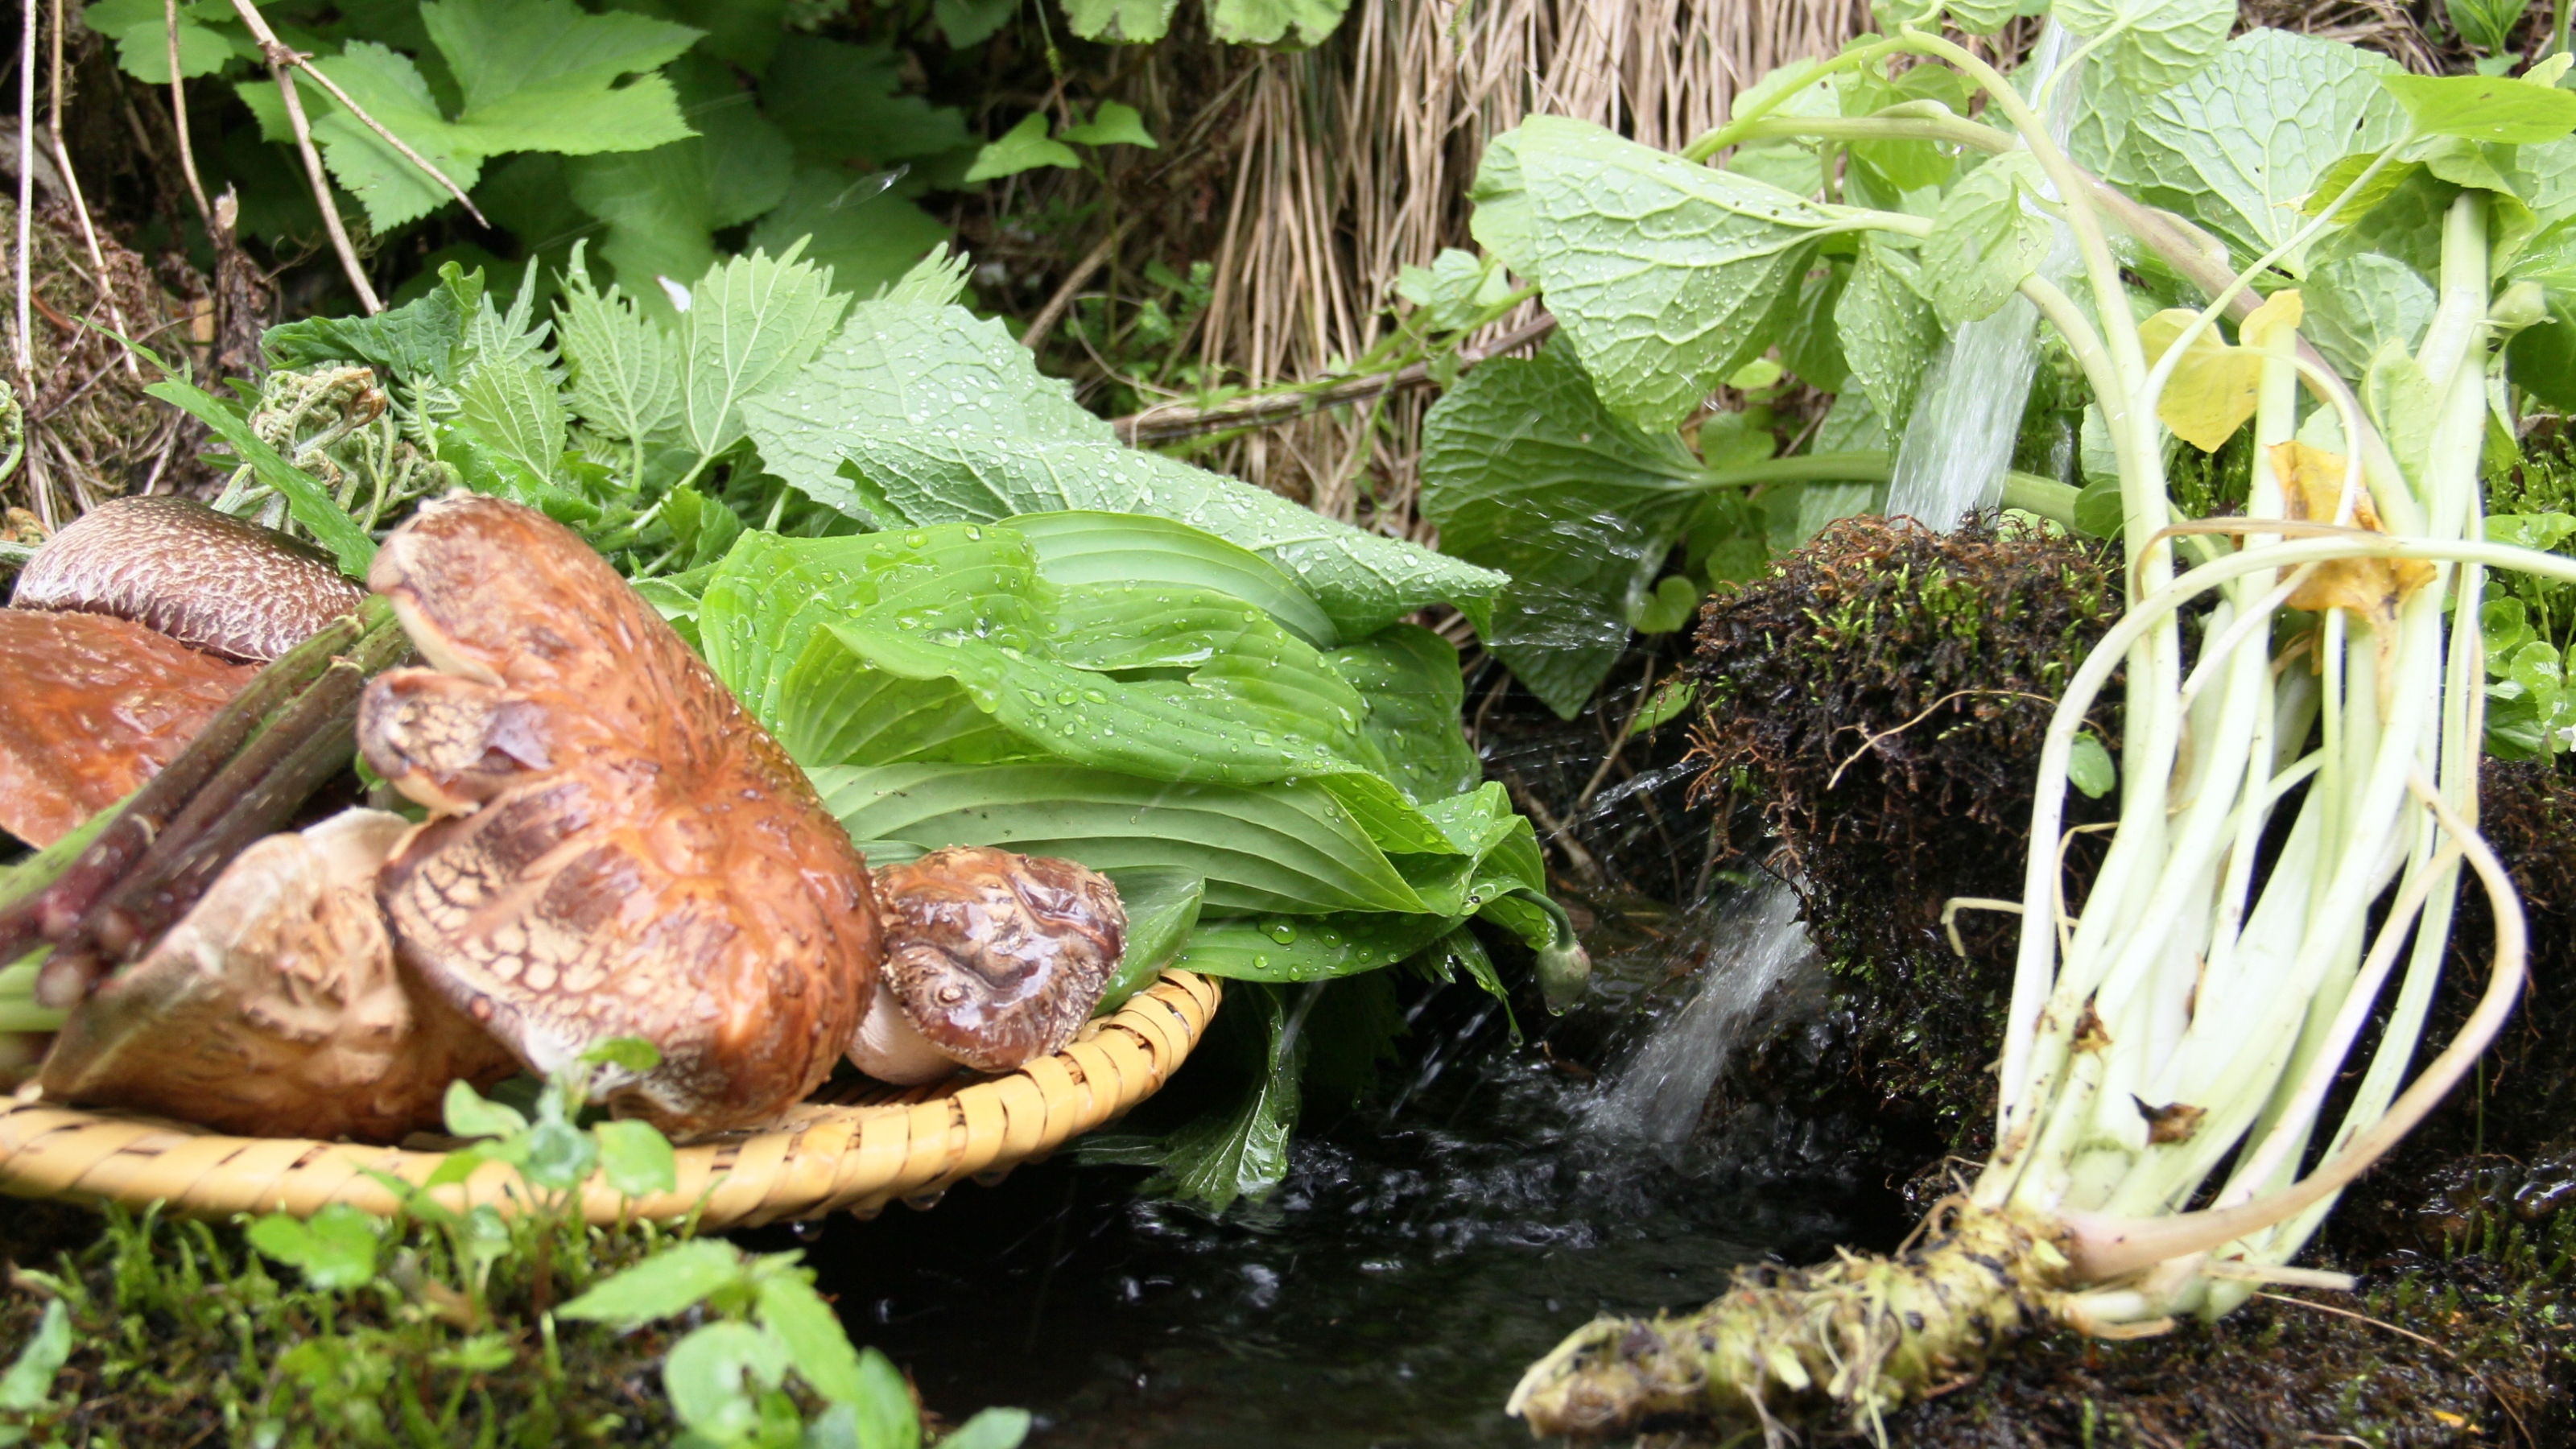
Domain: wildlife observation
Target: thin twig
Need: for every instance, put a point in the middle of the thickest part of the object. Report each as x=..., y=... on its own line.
x=1162, y=424
x=20, y=352
x=1872, y=741
x=80, y=207
x=280, y=58
x=1062, y=302
x=179, y=112
x=305, y=64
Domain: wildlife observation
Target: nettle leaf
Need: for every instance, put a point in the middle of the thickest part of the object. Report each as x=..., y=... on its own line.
x=1889, y=333
x=625, y=367
x=514, y=407
x=752, y=322
x=2159, y=42
x=1985, y=240
x=2485, y=108
x=2359, y=304
x=1666, y=276
x=2237, y=146
x=867, y=236
x=1024, y=147
x=1526, y=471
x=1220, y=1159
x=1272, y=22
x=1130, y=22
x=543, y=75
x=1162, y=910
x=918, y=414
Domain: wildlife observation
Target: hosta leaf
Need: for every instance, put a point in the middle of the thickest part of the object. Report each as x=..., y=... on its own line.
x=1306, y=948
x=1409, y=676
x=1131, y=22
x=1985, y=240
x=2158, y=42
x=1280, y=847
x=1089, y=547
x=752, y=322
x=1162, y=909
x=1888, y=332
x=2239, y=145
x=542, y=75
x=1666, y=276
x=1526, y=471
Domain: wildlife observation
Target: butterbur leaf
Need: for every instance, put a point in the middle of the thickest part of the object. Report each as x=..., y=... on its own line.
x=1128, y=22
x=470, y=1114
x=2312, y=487
x=1887, y=330
x=2485, y=108
x=2214, y=388
x=1024, y=147
x=1115, y=124
x=29, y=1384
x=662, y=1286
x=1985, y=240
x=636, y=1158
x=2157, y=43
x=789, y=1308
x=2359, y=304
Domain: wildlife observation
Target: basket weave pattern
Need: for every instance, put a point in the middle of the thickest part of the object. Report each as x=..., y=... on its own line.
x=909, y=1143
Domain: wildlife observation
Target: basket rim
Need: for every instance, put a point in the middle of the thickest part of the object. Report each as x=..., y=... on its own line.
x=911, y=1144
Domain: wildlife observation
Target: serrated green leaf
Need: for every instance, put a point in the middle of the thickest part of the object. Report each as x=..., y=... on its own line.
x=391, y=89
x=2236, y=147
x=789, y=1307
x=1218, y=1160
x=543, y=75
x=142, y=38
x=886, y=1418
x=1162, y=907
x=1409, y=676
x=1115, y=124
x=662, y=1286
x=1127, y=22
x=1525, y=471
x=514, y=407
x=2485, y=108
x=752, y=323
x=1024, y=147
x=2359, y=304
x=636, y=1159
x=1665, y=276
x=867, y=236
x=2159, y=42
x=625, y=367
x=1889, y=333
x=1302, y=23
x=1090, y=547
x=1985, y=240
x=1280, y=847
x=417, y=341
x=28, y=1386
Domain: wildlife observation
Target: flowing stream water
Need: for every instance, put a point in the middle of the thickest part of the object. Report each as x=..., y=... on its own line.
x=1757, y=943
x=1959, y=441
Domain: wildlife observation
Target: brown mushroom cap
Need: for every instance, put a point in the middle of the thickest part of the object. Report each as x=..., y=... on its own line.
x=640, y=858
x=997, y=958
x=206, y=579
x=91, y=707
x=275, y=1006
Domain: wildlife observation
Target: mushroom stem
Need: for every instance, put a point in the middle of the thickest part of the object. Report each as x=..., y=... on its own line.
x=251, y=795
x=49, y=914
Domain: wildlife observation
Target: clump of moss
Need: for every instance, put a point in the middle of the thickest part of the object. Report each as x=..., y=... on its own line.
x=1885, y=691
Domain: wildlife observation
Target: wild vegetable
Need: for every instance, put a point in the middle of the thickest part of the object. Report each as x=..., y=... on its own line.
x=2175, y=1035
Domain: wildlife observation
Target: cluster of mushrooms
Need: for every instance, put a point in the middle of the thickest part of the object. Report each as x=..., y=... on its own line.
x=612, y=848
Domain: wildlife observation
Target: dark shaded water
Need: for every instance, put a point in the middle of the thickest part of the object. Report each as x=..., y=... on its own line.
x=1424, y=1250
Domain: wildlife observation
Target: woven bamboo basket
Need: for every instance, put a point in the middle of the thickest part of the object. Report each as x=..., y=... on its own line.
x=887, y=1143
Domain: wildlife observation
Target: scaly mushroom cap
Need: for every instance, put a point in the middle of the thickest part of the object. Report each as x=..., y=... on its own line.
x=91, y=707
x=997, y=958
x=626, y=853
x=275, y=1007
x=207, y=579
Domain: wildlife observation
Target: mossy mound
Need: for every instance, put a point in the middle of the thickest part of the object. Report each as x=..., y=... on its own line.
x=1884, y=691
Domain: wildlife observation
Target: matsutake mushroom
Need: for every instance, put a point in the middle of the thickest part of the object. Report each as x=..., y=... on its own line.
x=128, y=631
x=276, y=1006
x=617, y=848
x=991, y=959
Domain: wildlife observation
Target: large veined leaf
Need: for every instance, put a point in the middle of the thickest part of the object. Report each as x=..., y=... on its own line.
x=917, y=414
x=1665, y=275
x=1985, y=240
x=544, y=75
x=1086, y=547
x=1281, y=847
x=625, y=367
x=1162, y=910
x=1131, y=22
x=657, y=214
x=1526, y=471
x=1269, y=22
x=1409, y=676
x=2154, y=43
x=1307, y=948
x=752, y=322
x=2239, y=144
x=1889, y=333
x=866, y=235
x=2361, y=303
x=2503, y=109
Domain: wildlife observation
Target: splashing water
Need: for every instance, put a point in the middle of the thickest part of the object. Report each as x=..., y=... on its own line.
x=1959, y=441
x=1756, y=941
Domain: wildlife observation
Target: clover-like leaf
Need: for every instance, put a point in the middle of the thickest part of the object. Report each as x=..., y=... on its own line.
x=1024, y=147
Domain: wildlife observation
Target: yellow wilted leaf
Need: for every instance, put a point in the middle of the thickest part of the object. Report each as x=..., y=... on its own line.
x=2312, y=489
x=2212, y=390
x=2282, y=309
